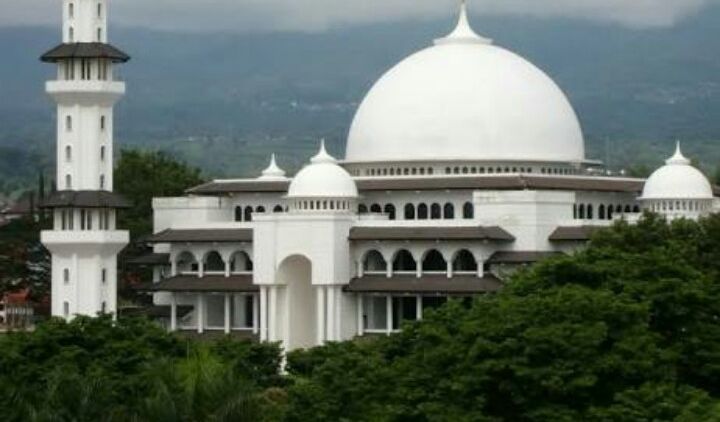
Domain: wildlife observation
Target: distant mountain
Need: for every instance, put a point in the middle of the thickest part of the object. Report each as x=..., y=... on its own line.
x=223, y=101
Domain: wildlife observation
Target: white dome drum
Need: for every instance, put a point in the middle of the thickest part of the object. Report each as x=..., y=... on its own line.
x=677, y=179
x=465, y=99
x=322, y=178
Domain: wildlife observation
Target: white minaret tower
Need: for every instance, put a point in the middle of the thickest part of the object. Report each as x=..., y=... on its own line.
x=84, y=241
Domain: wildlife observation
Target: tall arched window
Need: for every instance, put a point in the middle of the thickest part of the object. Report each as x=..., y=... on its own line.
x=390, y=211
x=240, y=262
x=590, y=212
x=99, y=35
x=636, y=209
x=601, y=212
x=449, y=211
x=68, y=153
x=375, y=209
x=581, y=211
x=468, y=211
x=422, y=212
x=374, y=262
x=71, y=10
x=362, y=209
x=68, y=123
x=434, y=262
x=102, y=182
x=248, y=213
x=238, y=213
x=409, y=211
x=435, y=212
x=214, y=262
x=71, y=34
x=68, y=181
x=99, y=10
x=102, y=122
x=404, y=262
x=464, y=262
x=66, y=276
x=628, y=209
x=186, y=263
x=609, y=212
x=102, y=153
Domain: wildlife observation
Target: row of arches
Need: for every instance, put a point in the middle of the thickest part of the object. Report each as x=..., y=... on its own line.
x=678, y=205
x=420, y=211
x=212, y=262
x=431, y=261
x=406, y=171
x=246, y=213
x=604, y=212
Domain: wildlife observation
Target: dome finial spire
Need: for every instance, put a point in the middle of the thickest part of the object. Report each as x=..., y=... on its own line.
x=678, y=157
x=463, y=32
x=323, y=156
x=273, y=171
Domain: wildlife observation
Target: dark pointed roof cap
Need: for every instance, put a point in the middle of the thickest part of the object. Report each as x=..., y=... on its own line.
x=85, y=50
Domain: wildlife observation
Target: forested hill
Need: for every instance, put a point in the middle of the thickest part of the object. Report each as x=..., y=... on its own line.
x=224, y=100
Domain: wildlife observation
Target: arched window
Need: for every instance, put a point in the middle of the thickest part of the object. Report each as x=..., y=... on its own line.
x=99, y=34
x=99, y=10
x=629, y=210
x=609, y=212
x=71, y=10
x=581, y=211
x=422, y=212
x=362, y=209
x=409, y=211
x=102, y=182
x=449, y=211
x=66, y=276
x=240, y=262
x=404, y=261
x=214, y=262
x=249, y=213
x=575, y=211
x=260, y=209
x=374, y=262
x=102, y=153
x=68, y=153
x=601, y=212
x=68, y=123
x=186, y=263
x=102, y=122
x=375, y=209
x=238, y=213
x=435, y=212
x=434, y=262
x=278, y=209
x=464, y=262
x=618, y=209
x=390, y=211
x=636, y=209
x=71, y=34
x=68, y=181
x=590, y=212
x=468, y=211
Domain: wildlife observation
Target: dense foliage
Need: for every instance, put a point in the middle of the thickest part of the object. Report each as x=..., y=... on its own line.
x=141, y=176
x=24, y=262
x=626, y=330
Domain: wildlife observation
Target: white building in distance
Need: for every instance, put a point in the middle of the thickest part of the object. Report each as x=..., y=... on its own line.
x=463, y=162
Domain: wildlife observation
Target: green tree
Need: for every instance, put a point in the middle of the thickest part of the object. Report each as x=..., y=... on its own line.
x=24, y=262
x=142, y=175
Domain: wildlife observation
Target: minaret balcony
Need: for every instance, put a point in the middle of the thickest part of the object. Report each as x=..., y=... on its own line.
x=86, y=90
x=107, y=241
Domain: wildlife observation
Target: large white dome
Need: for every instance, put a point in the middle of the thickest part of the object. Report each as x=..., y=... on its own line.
x=465, y=99
x=677, y=179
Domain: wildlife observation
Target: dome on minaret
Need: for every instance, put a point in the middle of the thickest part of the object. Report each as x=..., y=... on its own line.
x=323, y=178
x=273, y=171
x=465, y=99
x=677, y=179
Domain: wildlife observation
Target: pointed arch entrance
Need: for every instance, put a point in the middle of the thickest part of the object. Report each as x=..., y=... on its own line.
x=298, y=307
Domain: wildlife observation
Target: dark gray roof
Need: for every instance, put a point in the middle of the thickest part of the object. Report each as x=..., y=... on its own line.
x=89, y=50
x=430, y=284
x=150, y=259
x=157, y=311
x=577, y=233
x=202, y=235
x=430, y=233
x=488, y=182
x=520, y=257
x=208, y=283
x=85, y=199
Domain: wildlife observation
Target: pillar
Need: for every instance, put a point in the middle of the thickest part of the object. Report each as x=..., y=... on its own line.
x=419, y=308
x=173, y=312
x=321, y=313
x=263, y=309
x=200, y=313
x=272, y=311
x=227, y=313
x=389, y=316
x=331, y=322
x=360, y=322
x=256, y=314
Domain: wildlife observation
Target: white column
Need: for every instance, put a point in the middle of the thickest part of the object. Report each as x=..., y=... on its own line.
x=200, y=313
x=227, y=268
x=173, y=312
x=418, y=309
x=227, y=313
x=480, y=269
x=256, y=314
x=201, y=268
x=321, y=314
x=360, y=322
x=331, y=314
x=389, y=270
x=450, y=269
x=173, y=268
x=360, y=269
x=263, y=308
x=389, y=316
x=272, y=314
x=418, y=269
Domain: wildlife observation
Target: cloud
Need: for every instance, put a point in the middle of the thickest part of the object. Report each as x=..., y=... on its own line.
x=317, y=15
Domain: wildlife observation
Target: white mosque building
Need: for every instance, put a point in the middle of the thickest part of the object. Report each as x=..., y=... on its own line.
x=463, y=162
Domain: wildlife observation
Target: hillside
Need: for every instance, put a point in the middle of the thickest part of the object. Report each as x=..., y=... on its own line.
x=223, y=101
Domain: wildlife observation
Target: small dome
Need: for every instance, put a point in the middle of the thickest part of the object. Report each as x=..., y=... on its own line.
x=323, y=178
x=273, y=172
x=677, y=179
x=465, y=99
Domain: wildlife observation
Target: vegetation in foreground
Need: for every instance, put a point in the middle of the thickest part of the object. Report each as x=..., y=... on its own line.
x=627, y=330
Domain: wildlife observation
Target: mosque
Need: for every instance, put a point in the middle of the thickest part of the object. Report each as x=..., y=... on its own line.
x=463, y=162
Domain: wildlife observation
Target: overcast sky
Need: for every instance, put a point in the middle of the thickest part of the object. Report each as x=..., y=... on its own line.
x=317, y=15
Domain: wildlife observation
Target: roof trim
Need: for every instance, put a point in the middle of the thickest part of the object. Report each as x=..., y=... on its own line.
x=202, y=236
x=435, y=284
x=85, y=199
x=84, y=50
x=150, y=259
x=210, y=283
x=573, y=233
x=430, y=233
x=521, y=257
